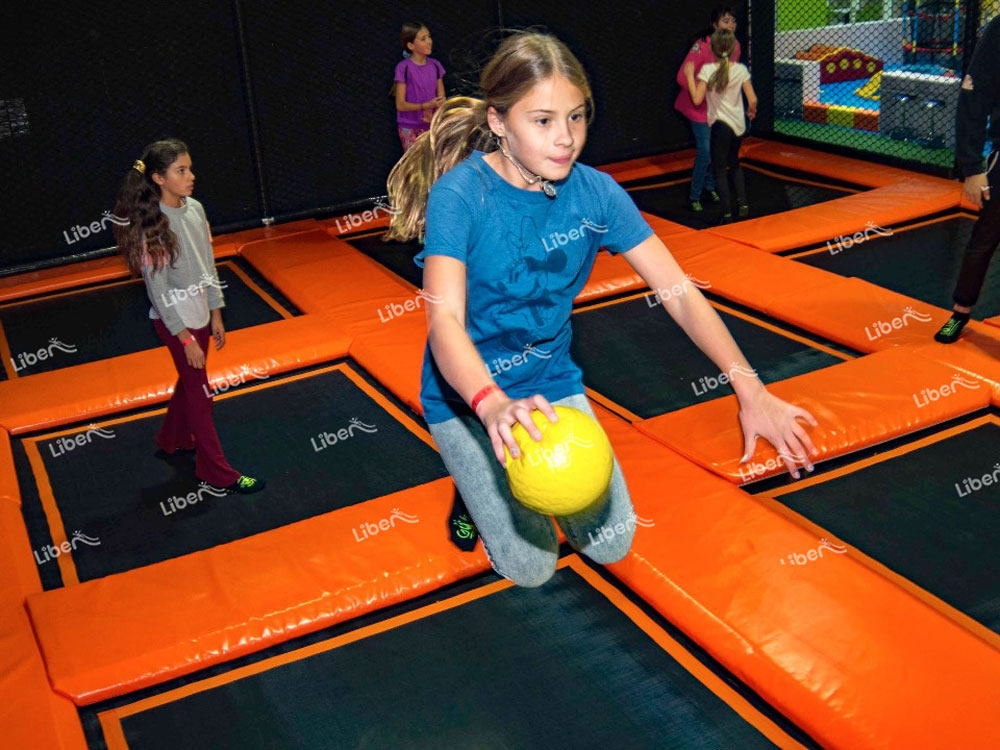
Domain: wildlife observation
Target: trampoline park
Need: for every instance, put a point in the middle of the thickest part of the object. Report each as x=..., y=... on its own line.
x=350, y=604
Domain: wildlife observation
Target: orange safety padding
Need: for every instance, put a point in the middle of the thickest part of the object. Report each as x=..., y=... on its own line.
x=858, y=403
x=79, y=274
x=856, y=171
x=976, y=353
x=823, y=222
x=647, y=166
x=994, y=321
x=245, y=237
x=90, y=390
x=741, y=273
x=611, y=274
x=359, y=221
x=9, y=489
x=30, y=713
x=859, y=314
x=128, y=631
x=394, y=353
x=320, y=273
x=847, y=655
x=664, y=227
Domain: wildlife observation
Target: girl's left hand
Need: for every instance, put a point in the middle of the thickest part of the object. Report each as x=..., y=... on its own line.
x=767, y=416
x=218, y=331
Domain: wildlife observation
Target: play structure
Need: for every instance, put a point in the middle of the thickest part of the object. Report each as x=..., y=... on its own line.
x=897, y=77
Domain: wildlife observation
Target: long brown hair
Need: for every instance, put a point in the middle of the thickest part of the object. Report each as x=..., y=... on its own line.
x=723, y=44
x=524, y=59
x=139, y=202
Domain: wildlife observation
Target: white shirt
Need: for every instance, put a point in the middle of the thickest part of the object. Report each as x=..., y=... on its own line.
x=727, y=105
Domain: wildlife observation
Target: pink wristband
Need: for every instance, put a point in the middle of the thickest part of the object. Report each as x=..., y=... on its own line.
x=189, y=340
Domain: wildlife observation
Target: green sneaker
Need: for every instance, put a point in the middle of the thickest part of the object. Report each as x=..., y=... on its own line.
x=714, y=196
x=246, y=485
x=951, y=330
x=727, y=219
x=696, y=207
x=744, y=211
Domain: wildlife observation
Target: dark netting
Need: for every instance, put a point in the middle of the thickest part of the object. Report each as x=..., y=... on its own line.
x=322, y=81
x=84, y=88
x=881, y=76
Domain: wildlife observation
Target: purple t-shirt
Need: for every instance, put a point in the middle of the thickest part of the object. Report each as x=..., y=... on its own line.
x=421, y=86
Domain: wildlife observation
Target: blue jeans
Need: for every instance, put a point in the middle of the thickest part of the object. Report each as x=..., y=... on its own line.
x=521, y=544
x=702, y=177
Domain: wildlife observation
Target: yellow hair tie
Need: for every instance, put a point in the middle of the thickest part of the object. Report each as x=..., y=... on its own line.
x=139, y=167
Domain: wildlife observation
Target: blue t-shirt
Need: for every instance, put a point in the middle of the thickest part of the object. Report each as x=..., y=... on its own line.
x=527, y=256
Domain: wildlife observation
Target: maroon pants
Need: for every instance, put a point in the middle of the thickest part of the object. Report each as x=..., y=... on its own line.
x=188, y=423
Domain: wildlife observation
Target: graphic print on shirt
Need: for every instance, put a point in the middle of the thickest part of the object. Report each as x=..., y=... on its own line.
x=526, y=287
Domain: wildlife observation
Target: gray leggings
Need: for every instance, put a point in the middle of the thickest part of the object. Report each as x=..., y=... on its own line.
x=521, y=544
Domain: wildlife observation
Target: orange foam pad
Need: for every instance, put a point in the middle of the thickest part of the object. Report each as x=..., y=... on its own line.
x=394, y=353
x=837, y=648
x=884, y=206
x=113, y=635
x=741, y=273
x=245, y=237
x=9, y=489
x=79, y=274
x=812, y=161
x=648, y=166
x=976, y=353
x=858, y=403
x=30, y=713
x=319, y=273
x=94, y=389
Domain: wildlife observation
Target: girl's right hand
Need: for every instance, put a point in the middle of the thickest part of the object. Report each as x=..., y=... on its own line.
x=499, y=413
x=195, y=356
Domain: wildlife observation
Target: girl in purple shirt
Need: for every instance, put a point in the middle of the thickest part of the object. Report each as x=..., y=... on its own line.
x=418, y=84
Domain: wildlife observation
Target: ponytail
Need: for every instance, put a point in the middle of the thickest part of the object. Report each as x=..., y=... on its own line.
x=723, y=44
x=145, y=235
x=457, y=129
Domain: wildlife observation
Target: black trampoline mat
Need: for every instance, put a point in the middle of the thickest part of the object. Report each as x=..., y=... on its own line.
x=114, y=489
x=766, y=195
x=396, y=256
x=916, y=514
x=923, y=262
x=633, y=353
x=559, y=666
x=109, y=321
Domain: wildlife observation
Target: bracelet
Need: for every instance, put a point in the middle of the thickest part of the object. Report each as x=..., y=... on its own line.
x=189, y=340
x=477, y=399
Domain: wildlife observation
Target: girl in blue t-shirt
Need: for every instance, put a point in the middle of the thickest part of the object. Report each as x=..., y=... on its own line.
x=511, y=228
x=419, y=87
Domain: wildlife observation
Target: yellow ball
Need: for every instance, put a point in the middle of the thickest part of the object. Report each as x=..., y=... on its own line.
x=568, y=470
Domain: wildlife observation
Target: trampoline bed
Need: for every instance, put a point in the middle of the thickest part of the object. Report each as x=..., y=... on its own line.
x=328, y=438
x=770, y=190
x=922, y=260
x=925, y=512
x=640, y=364
x=109, y=320
x=571, y=664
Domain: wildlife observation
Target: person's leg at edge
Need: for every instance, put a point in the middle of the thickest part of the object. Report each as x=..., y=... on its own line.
x=175, y=433
x=720, y=158
x=975, y=263
x=702, y=177
x=521, y=545
x=604, y=531
x=736, y=174
x=210, y=463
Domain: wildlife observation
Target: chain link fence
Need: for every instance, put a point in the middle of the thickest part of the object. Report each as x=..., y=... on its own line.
x=880, y=76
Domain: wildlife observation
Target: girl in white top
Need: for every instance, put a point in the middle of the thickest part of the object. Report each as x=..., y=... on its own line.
x=724, y=84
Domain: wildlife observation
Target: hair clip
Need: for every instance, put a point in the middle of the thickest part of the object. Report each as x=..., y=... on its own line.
x=139, y=166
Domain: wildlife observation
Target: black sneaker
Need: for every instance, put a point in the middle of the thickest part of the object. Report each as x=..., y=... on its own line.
x=744, y=211
x=726, y=219
x=245, y=486
x=951, y=330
